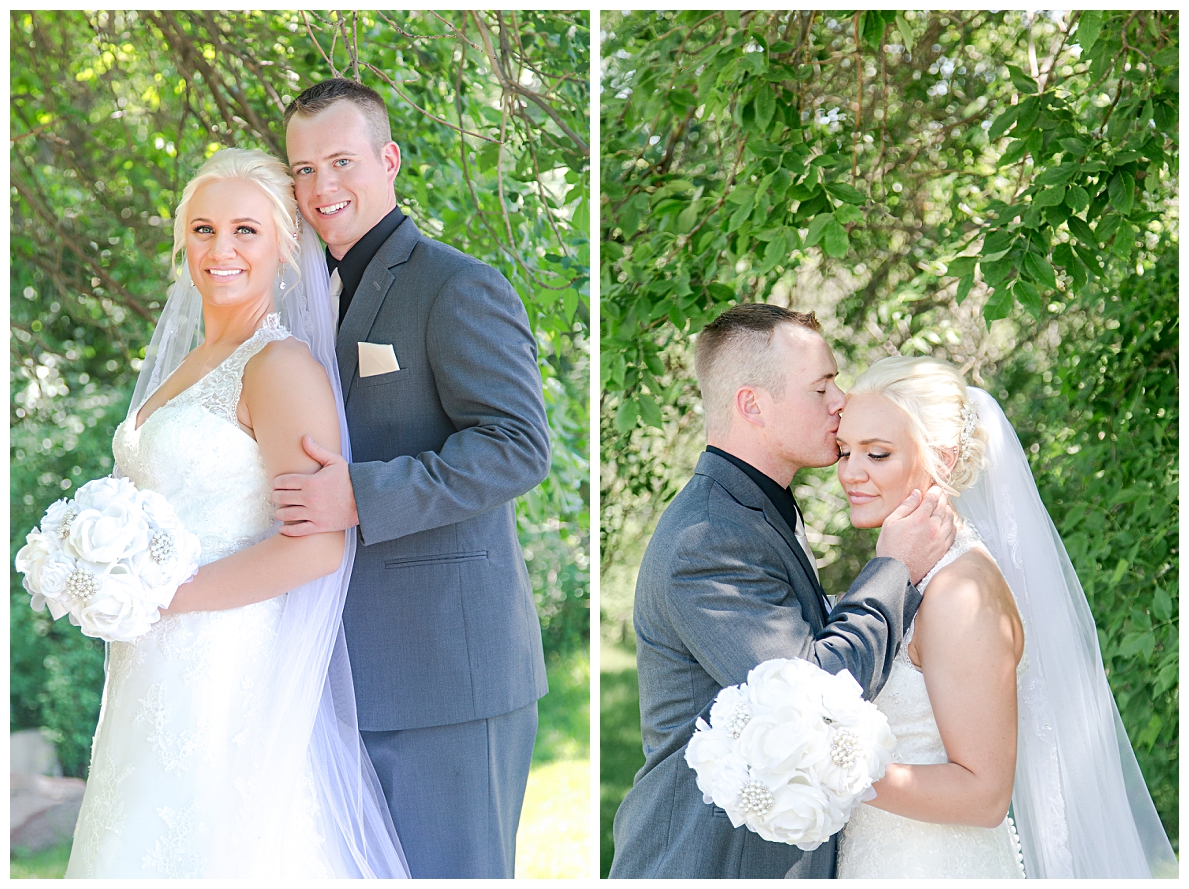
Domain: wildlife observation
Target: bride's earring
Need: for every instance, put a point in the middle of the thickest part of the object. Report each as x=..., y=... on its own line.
x=282, y=275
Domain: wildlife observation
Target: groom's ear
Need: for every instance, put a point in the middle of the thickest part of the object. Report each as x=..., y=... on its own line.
x=747, y=405
x=390, y=157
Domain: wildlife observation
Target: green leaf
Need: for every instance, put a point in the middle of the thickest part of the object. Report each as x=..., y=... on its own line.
x=1076, y=198
x=1003, y=122
x=765, y=107
x=688, y=218
x=1028, y=297
x=996, y=271
x=849, y=213
x=650, y=412
x=836, y=242
x=1120, y=570
x=626, y=416
x=961, y=266
x=1077, y=271
x=1080, y=230
x=998, y=306
x=1021, y=81
x=817, y=227
x=1049, y=197
x=1040, y=270
x=906, y=32
x=997, y=243
x=1107, y=226
x=1122, y=192
x=964, y=285
x=1168, y=56
x=844, y=192
x=1063, y=255
x=1089, y=26
x=1015, y=152
x=720, y=293
x=1074, y=146
x=1161, y=605
x=1057, y=175
x=570, y=303
x=1029, y=109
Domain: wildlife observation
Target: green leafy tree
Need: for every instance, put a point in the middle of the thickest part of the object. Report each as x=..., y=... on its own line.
x=112, y=112
x=994, y=188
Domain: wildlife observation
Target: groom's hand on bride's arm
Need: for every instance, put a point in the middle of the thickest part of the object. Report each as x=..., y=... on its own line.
x=316, y=502
x=918, y=532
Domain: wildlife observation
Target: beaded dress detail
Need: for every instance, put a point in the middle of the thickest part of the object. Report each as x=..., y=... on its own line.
x=168, y=792
x=876, y=843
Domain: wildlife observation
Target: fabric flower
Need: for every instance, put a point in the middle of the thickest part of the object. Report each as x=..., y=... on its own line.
x=103, y=536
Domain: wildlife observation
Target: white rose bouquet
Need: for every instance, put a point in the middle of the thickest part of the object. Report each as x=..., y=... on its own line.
x=111, y=558
x=791, y=752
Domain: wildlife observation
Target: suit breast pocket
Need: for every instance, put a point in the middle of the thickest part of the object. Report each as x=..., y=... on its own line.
x=392, y=378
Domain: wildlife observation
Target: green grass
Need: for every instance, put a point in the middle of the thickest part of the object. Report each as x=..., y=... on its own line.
x=49, y=864
x=620, y=753
x=555, y=831
x=554, y=837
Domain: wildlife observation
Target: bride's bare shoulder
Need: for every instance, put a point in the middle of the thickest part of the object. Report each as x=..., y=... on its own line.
x=970, y=595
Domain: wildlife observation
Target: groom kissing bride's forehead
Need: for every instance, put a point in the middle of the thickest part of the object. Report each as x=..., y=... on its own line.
x=728, y=581
x=444, y=407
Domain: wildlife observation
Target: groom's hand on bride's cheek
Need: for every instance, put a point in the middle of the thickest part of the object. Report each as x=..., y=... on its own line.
x=317, y=502
x=918, y=532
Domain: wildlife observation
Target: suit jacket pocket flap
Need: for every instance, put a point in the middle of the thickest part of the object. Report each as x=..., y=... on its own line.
x=443, y=559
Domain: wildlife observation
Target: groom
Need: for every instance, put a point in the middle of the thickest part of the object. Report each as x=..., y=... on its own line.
x=447, y=423
x=728, y=580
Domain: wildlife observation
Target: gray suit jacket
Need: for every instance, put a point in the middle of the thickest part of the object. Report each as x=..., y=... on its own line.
x=723, y=586
x=439, y=619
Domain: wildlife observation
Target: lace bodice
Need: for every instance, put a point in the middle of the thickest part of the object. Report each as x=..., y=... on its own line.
x=876, y=843
x=220, y=488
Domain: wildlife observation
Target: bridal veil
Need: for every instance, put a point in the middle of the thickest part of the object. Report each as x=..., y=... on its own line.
x=1080, y=803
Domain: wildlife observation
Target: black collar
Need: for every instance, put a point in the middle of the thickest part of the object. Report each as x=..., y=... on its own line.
x=781, y=498
x=352, y=266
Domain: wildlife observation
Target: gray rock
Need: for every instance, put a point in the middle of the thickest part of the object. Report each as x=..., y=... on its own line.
x=43, y=810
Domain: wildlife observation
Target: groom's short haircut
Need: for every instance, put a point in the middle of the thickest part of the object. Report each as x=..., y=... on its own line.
x=322, y=95
x=734, y=350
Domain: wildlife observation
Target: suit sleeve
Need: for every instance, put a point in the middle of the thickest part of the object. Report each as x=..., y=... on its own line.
x=484, y=361
x=729, y=602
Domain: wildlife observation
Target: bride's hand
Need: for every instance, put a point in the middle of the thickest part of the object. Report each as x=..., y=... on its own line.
x=918, y=532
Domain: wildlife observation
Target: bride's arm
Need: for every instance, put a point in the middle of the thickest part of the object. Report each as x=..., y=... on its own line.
x=286, y=395
x=968, y=639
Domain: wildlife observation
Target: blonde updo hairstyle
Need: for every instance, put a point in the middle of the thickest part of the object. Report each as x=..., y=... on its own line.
x=245, y=165
x=933, y=394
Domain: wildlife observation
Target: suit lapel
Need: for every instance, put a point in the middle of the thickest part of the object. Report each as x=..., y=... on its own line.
x=776, y=520
x=749, y=494
x=378, y=279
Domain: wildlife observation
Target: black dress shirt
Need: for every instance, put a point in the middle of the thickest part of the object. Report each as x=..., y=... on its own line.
x=352, y=266
x=781, y=498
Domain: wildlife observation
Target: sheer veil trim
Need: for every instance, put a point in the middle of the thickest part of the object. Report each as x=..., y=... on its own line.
x=1080, y=803
x=312, y=726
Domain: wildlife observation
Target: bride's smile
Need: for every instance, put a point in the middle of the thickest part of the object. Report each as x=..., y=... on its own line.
x=231, y=243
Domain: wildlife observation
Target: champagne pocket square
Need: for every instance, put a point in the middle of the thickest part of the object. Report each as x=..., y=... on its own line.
x=376, y=358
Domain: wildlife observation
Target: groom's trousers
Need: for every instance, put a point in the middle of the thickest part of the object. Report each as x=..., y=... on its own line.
x=455, y=792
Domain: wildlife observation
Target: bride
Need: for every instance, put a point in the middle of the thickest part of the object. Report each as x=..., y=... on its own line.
x=227, y=743
x=998, y=694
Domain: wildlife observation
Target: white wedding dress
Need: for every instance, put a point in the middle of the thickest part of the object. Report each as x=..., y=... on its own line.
x=170, y=786
x=876, y=843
